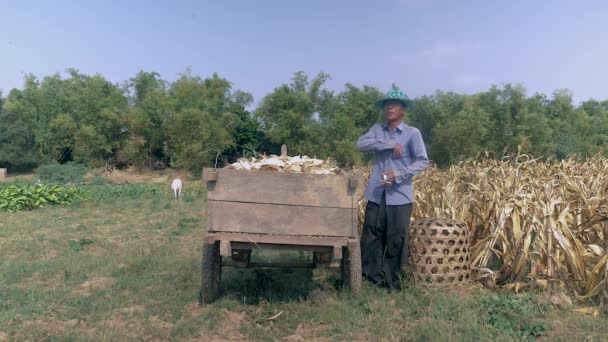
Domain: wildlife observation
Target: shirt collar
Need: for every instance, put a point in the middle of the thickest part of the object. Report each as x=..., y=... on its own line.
x=400, y=126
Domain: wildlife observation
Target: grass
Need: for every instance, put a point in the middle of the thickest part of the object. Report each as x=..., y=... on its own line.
x=129, y=269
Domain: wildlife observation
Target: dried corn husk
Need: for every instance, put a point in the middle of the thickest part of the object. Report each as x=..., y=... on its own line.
x=532, y=222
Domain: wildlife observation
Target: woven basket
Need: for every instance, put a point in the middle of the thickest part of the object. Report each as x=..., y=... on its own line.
x=439, y=252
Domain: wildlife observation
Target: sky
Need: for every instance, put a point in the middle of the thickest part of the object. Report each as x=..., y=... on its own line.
x=421, y=45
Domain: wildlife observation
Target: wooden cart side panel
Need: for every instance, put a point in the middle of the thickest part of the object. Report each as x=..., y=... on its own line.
x=241, y=217
x=281, y=188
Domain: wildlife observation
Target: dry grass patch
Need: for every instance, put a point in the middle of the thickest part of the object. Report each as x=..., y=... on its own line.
x=132, y=175
x=91, y=286
x=310, y=332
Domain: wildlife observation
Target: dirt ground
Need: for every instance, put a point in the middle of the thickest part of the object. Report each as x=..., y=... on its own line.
x=132, y=175
x=126, y=176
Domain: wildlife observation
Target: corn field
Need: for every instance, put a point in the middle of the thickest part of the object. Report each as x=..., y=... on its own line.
x=533, y=223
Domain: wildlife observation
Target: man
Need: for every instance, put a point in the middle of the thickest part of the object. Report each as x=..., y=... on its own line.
x=399, y=156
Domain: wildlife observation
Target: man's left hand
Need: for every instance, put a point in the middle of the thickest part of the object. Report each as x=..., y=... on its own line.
x=397, y=150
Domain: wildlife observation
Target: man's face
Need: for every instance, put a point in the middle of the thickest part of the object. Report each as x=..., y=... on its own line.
x=393, y=110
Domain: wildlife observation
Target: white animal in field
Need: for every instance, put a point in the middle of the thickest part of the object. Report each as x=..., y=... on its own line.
x=177, y=188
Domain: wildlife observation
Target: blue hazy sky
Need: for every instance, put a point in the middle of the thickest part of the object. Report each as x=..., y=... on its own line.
x=422, y=45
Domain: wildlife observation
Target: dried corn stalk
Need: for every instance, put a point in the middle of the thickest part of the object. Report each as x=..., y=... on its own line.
x=530, y=220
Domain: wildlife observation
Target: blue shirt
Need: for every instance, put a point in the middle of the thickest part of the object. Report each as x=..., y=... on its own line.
x=381, y=140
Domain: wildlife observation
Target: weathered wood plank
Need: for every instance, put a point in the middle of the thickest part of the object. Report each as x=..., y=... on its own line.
x=277, y=239
x=290, y=247
x=269, y=264
x=279, y=219
x=281, y=188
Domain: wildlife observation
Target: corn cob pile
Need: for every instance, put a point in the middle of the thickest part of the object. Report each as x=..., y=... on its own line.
x=297, y=164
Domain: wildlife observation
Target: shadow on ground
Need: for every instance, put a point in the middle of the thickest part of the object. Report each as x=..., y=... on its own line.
x=253, y=285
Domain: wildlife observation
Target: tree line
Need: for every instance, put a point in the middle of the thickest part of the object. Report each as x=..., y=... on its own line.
x=194, y=121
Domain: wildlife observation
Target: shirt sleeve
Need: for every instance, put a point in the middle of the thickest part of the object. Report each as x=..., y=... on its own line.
x=370, y=141
x=419, y=156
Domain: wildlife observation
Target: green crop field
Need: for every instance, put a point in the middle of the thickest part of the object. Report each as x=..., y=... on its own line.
x=125, y=265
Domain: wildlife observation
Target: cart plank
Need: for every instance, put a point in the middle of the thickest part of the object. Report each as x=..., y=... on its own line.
x=278, y=239
x=239, y=217
x=281, y=188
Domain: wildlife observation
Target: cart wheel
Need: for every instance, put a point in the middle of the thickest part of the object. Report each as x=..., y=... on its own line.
x=351, y=267
x=212, y=272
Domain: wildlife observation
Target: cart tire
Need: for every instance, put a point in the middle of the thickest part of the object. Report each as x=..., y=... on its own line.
x=211, y=272
x=351, y=268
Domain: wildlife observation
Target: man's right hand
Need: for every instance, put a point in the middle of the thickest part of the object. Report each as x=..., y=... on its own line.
x=397, y=151
x=388, y=178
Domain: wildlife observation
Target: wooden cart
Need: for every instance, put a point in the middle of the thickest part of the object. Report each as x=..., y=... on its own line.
x=284, y=211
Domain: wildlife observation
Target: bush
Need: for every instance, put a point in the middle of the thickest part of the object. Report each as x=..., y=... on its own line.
x=68, y=173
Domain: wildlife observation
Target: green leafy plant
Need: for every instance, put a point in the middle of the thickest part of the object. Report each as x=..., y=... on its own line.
x=26, y=197
x=508, y=314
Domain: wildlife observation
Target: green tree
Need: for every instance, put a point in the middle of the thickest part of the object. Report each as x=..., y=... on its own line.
x=535, y=135
x=506, y=109
x=424, y=113
x=95, y=106
x=146, y=120
x=432, y=115
x=246, y=134
x=597, y=115
x=463, y=135
x=573, y=131
x=88, y=119
x=347, y=116
x=195, y=138
x=341, y=134
x=204, y=116
x=291, y=114
x=16, y=142
x=359, y=105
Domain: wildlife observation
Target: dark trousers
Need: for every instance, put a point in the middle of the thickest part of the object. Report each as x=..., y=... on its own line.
x=384, y=242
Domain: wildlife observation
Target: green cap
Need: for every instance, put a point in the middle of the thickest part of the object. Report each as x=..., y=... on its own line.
x=394, y=94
